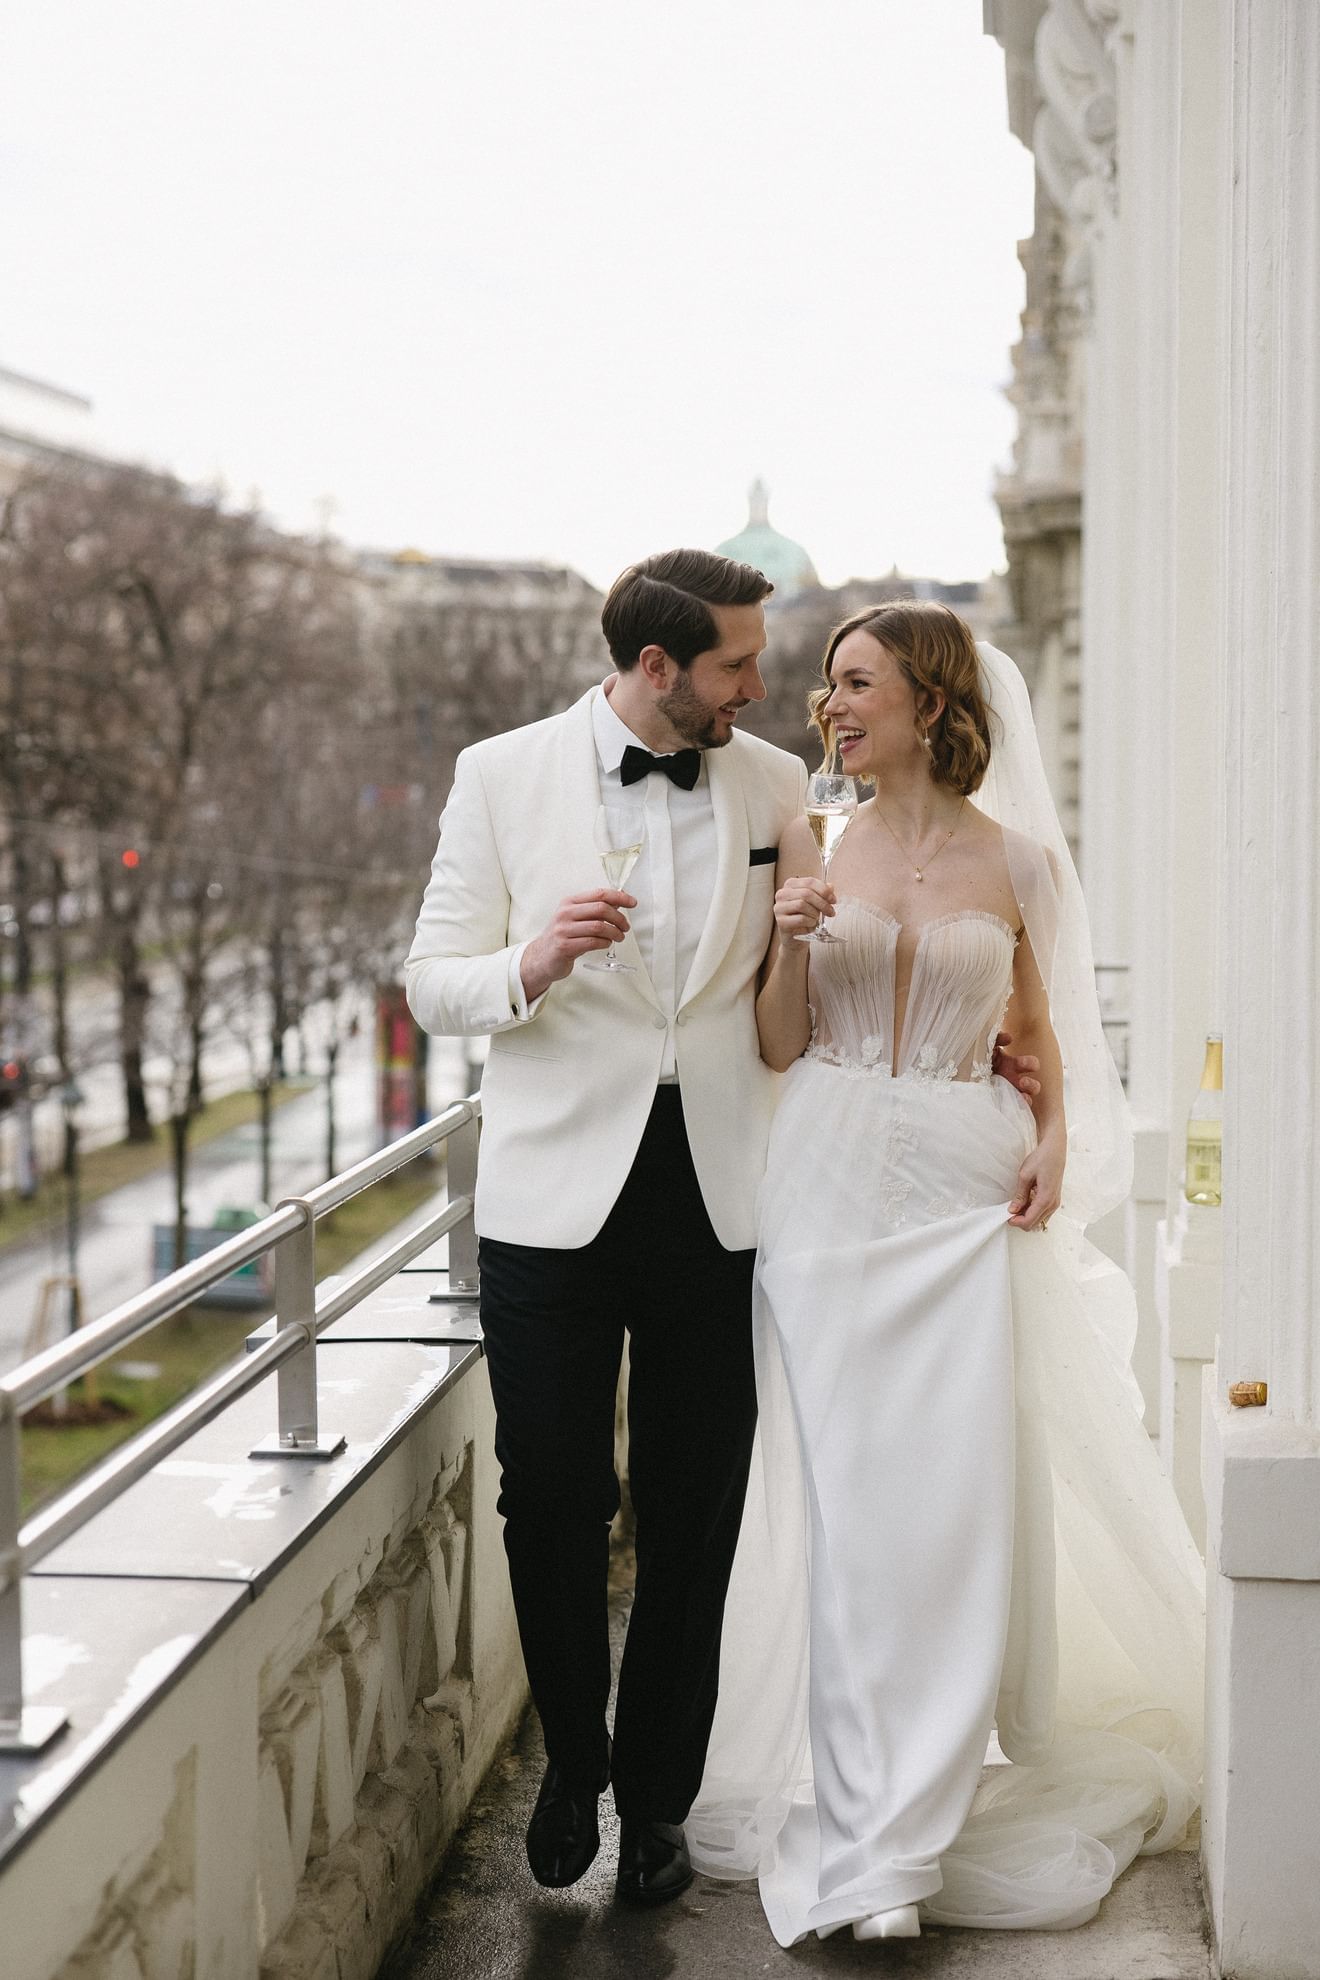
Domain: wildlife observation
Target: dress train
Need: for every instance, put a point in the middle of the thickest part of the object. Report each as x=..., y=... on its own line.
x=981, y=1542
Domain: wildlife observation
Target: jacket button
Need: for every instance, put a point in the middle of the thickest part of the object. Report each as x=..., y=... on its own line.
x=660, y=1023
x=681, y=1018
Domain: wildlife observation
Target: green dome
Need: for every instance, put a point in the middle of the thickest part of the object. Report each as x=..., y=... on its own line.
x=786, y=564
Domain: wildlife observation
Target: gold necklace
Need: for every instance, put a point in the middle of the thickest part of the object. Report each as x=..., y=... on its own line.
x=919, y=872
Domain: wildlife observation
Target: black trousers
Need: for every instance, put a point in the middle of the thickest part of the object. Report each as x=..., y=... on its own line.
x=554, y=1324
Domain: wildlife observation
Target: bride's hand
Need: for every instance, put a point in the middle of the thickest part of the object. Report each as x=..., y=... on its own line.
x=800, y=905
x=1040, y=1184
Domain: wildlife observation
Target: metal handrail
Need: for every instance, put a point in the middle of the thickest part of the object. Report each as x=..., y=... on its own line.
x=32, y=1382
x=289, y=1231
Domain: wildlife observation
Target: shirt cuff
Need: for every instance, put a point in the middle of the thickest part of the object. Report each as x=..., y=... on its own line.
x=518, y=1004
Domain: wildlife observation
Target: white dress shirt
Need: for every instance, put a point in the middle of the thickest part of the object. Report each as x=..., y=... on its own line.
x=673, y=879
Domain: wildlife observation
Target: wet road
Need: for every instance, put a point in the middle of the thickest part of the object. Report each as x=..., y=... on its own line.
x=115, y=1243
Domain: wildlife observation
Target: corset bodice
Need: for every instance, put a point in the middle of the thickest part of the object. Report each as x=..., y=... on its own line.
x=962, y=974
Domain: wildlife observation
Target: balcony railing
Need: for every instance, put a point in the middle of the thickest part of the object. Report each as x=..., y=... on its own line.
x=300, y=1316
x=1113, y=987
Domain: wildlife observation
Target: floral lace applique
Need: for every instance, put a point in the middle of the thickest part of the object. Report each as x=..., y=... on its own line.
x=893, y=1195
x=950, y=1206
x=895, y=1188
x=870, y=1060
x=982, y=1070
x=926, y=1067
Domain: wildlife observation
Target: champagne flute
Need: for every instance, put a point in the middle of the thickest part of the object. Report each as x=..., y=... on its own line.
x=619, y=843
x=831, y=805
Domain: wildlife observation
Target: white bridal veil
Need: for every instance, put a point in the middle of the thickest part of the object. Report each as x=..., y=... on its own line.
x=1099, y=1707
x=1016, y=792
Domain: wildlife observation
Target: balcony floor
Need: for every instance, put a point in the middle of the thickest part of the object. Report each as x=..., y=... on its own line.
x=484, y=1918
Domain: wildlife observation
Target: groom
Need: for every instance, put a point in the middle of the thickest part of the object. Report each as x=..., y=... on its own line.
x=624, y=1129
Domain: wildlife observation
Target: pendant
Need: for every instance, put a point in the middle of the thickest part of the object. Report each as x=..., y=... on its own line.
x=920, y=876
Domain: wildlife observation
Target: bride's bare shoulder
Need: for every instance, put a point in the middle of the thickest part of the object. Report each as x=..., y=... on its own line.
x=1016, y=847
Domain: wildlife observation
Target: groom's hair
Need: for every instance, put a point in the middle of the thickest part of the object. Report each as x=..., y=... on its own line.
x=666, y=600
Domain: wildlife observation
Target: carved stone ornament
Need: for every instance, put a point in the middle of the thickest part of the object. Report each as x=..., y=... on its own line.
x=1076, y=135
x=361, y=1749
x=366, y=1712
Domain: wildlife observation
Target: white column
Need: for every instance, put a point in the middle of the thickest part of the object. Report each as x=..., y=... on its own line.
x=1107, y=681
x=1148, y=195
x=1189, y=1246
x=1128, y=508
x=1107, y=688
x=1262, y=1466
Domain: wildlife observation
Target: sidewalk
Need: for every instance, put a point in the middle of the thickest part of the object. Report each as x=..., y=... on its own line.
x=484, y=1918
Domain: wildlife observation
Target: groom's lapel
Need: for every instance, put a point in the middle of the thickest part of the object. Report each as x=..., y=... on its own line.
x=575, y=841
x=732, y=846
x=579, y=790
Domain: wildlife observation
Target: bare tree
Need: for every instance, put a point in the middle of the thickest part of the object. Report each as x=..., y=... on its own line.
x=144, y=629
x=220, y=761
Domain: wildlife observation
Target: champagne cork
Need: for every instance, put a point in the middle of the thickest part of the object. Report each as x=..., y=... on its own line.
x=1247, y=1395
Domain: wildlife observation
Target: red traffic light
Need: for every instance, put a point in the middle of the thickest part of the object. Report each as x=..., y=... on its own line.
x=11, y=1070
x=130, y=858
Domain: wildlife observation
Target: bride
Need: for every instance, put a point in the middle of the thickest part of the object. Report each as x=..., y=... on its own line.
x=959, y=1546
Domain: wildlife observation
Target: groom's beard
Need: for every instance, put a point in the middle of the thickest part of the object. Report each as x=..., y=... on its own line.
x=692, y=718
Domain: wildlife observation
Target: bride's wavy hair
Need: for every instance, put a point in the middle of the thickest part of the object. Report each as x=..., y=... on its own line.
x=937, y=653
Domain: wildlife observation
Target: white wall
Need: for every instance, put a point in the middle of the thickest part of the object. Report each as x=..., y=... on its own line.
x=1262, y=1467
x=1201, y=821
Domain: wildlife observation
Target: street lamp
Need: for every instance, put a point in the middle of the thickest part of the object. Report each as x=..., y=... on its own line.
x=71, y=1098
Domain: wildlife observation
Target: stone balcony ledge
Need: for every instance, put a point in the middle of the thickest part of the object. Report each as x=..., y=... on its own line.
x=285, y=1679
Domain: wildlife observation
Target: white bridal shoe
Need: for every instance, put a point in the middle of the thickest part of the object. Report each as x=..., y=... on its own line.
x=900, y=1923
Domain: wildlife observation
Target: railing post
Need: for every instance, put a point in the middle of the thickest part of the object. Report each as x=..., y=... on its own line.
x=461, y=1169
x=295, y=1306
x=23, y=1729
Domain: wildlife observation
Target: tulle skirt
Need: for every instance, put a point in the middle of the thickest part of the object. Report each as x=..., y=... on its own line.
x=958, y=1539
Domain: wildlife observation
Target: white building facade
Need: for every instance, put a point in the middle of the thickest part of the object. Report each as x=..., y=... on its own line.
x=1179, y=142
x=40, y=422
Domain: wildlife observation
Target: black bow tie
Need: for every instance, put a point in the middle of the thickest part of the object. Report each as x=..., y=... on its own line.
x=682, y=768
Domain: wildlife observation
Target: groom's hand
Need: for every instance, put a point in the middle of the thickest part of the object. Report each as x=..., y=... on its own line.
x=1018, y=1072
x=580, y=923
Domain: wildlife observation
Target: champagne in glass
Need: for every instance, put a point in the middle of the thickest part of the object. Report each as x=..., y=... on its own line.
x=619, y=843
x=831, y=806
x=827, y=828
x=619, y=862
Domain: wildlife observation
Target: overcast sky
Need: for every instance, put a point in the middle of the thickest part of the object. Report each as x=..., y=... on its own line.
x=547, y=278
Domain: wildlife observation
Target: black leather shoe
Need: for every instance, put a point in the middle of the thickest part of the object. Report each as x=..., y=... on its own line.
x=563, y=1834
x=654, y=1865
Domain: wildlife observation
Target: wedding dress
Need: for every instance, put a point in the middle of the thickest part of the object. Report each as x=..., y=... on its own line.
x=957, y=1528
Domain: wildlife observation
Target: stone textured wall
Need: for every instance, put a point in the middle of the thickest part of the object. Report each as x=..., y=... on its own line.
x=145, y=1930
x=366, y=1711
x=279, y=1813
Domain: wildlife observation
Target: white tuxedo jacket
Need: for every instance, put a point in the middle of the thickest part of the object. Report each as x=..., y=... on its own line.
x=567, y=1091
